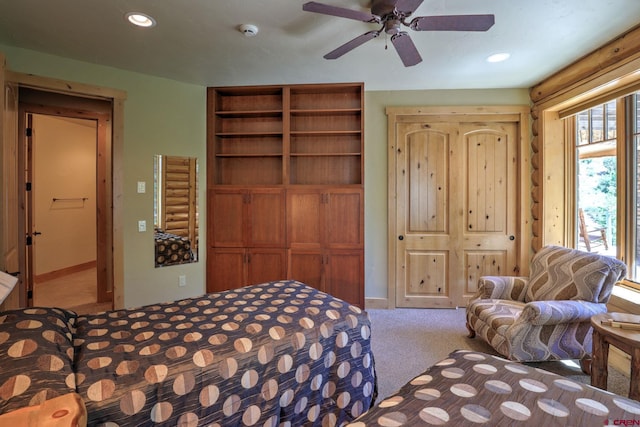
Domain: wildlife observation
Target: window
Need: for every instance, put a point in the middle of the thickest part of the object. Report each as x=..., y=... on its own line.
x=596, y=183
x=600, y=148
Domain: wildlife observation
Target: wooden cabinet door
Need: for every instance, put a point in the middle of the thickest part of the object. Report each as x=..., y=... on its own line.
x=226, y=269
x=338, y=272
x=305, y=219
x=307, y=267
x=265, y=218
x=345, y=276
x=248, y=218
x=265, y=265
x=227, y=218
x=329, y=218
x=232, y=268
x=343, y=224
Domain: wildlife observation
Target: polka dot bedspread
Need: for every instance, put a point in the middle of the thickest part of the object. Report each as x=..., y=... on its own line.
x=272, y=354
x=471, y=388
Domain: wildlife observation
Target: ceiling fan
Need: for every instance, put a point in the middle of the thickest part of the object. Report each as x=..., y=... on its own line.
x=392, y=14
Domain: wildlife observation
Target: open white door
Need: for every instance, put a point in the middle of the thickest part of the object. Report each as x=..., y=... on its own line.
x=10, y=203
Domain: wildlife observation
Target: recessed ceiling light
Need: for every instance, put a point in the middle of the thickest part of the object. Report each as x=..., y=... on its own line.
x=140, y=19
x=498, y=57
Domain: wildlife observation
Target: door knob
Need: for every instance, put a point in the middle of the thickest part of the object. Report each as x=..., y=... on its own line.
x=400, y=237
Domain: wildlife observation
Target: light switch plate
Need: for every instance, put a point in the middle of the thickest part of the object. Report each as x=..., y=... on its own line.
x=142, y=187
x=142, y=226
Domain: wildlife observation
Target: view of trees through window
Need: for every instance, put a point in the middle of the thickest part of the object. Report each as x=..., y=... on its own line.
x=600, y=148
x=596, y=183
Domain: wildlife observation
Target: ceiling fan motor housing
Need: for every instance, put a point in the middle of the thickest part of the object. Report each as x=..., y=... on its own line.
x=383, y=7
x=392, y=26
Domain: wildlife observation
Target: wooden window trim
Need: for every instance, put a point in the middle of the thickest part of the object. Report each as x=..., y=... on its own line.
x=589, y=80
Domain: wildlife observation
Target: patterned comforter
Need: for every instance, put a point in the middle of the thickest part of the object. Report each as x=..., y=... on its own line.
x=171, y=249
x=470, y=388
x=278, y=353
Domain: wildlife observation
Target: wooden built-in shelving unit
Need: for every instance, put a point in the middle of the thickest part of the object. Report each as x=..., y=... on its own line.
x=274, y=143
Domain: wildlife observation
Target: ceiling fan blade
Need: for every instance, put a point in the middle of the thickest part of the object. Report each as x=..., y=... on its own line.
x=350, y=45
x=407, y=7
x=452, y=23
x=341, y=12
x=406, y=49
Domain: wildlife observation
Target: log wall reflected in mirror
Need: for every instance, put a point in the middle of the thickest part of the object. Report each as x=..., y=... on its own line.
x=175, y=213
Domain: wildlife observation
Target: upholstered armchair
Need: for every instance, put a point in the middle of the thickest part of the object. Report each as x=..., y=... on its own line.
x=545, y=316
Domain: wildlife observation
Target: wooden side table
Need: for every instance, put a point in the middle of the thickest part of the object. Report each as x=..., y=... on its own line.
x=624, y=339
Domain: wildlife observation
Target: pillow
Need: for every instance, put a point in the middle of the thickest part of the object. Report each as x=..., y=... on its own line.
x=36, y=350
x=559, y=273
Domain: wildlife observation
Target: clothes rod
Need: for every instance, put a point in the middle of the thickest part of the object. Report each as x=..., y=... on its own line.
x=55, y=199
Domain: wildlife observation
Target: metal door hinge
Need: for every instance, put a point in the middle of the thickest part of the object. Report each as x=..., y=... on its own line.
x=28, y=186
x=28, y=131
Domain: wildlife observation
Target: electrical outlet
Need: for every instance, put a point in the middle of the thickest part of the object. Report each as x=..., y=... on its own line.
x=142, y=226
x=141, y=187
x=182, y=280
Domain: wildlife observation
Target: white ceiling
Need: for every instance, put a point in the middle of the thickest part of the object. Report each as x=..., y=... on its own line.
x=197, y=41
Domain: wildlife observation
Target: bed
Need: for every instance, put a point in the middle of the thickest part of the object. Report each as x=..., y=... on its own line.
x=278, y=353
x=471, y=388
x=171, y=249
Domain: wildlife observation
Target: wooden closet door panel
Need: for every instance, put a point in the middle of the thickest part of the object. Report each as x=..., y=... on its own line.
x=344, y=227
x=489, y=240
x=304, y=219
x=227, y=269
x=307, y=267
x=266, y=218
x=426, y=245
x=456, y=212
x=265, y=265
x=345, y=276
x=227, y=218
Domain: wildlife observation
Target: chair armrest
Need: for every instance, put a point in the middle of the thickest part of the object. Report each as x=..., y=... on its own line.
x=561, y=311
x=502, y=287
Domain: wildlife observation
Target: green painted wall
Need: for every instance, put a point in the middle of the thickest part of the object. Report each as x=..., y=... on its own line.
x=161, y=116
x=168, y=117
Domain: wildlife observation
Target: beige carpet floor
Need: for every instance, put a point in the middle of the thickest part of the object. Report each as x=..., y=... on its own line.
x=407, y=341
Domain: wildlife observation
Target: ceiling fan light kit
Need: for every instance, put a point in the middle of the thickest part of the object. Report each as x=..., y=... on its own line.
x=391, y=15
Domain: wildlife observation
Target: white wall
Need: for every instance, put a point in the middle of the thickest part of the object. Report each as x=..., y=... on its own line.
x=64, y=157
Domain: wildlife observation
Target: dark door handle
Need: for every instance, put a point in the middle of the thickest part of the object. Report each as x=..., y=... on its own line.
x=36, y=233
x=400, y=237
x=512, y=237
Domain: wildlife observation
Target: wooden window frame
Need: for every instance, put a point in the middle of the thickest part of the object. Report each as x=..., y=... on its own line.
x=609, y=72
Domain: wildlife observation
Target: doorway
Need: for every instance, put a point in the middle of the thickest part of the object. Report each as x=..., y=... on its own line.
x=64, y=153
x=63, y=215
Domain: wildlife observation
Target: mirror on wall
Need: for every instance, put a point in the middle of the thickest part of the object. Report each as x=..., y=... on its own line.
x=175, y=210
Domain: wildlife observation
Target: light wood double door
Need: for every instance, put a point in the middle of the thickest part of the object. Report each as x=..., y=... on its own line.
x=456, y=208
